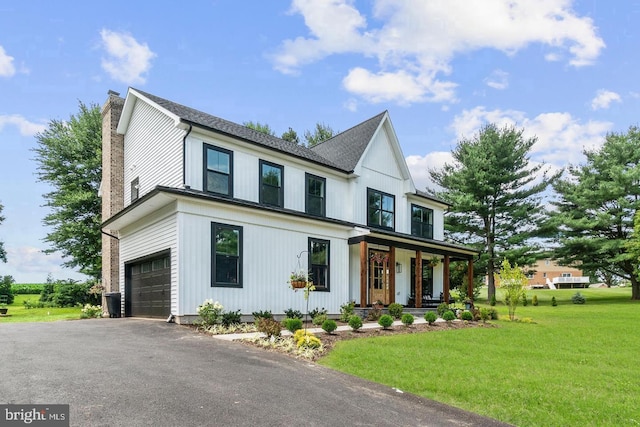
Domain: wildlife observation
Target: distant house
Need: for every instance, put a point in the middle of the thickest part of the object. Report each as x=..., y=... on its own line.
x=197, y=207
x=548, y=274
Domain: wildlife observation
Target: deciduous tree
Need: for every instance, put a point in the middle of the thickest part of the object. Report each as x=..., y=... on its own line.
x=3, y=252
x=69, y=157
x=495, y=195
x=321, y=133
x=264, y=128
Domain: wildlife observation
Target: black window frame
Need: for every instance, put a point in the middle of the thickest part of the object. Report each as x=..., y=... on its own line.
x=422, y=225
x=308, y=196
x=382, y=194
x=135, y=189
x=280, y=203
x=215, y=226
x=315, y=268
x=206, y=170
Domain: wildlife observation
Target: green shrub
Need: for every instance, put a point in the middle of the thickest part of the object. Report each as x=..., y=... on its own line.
x=292, y=324
x=525, y=302
x=316, y=312
x=319, y=319
x=269, y=327
x=355, y=322
x=68, y=293
x=231, y=318
x=442, y=308
x=5, y=287
x=466, y=315
x=395, y=310
x=27, y=288
x=448, y=316
x=430, y=317
x=262, y=314
x=329, y=326
x=385, y=321
x=534, y=300
x=493, y=313
x=346, y=311
x=554, y=302
x=485, y=314
x=493, y=301
x=293, y=314
x=407, y=319
x=578, y=298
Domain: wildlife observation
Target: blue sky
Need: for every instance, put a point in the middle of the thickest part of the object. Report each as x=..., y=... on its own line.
x=565, y=71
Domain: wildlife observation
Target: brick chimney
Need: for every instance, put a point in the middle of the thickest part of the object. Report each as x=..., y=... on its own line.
x=112, y=187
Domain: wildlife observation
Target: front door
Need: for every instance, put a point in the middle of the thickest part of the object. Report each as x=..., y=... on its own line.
x=379, y=277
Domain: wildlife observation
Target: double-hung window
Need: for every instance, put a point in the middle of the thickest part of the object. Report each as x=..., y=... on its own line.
x=380, y=209
x=271, y=184
x=226, y=249
x=421, y=222
x=315, y=203
x=319, y=263
x=218, y=170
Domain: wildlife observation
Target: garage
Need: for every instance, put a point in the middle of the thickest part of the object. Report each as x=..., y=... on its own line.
x=148, y=287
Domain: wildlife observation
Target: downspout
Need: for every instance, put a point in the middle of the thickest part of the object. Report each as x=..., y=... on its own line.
x=184, y=157
x=110, y=235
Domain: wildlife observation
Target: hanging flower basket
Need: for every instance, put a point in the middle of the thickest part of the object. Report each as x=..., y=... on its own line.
x=298, y=284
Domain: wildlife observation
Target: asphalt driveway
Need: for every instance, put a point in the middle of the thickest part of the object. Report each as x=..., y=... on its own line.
x=134, y=372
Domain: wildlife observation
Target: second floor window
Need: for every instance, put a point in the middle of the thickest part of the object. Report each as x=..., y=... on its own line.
x=271, y=184
x=380, y=209
x=316, y=195
x=421, y=222
x=218, y=170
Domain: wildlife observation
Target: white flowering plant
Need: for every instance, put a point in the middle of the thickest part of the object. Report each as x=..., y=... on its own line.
x=210, y=312
x=91, y=311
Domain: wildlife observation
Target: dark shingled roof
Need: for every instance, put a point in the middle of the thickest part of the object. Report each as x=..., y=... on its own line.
x=226, y=127
x=346, y=148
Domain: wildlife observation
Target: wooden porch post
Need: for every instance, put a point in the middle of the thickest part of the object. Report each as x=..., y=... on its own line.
x=363, y=274
x=392, y=274
x=470, y=280
x=445, y=278
x=418, y=283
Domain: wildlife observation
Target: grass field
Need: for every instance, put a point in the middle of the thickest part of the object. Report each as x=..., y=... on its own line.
x=18, y=313
x=573, y=365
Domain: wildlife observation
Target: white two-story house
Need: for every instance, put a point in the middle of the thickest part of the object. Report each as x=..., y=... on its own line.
x=197, y=207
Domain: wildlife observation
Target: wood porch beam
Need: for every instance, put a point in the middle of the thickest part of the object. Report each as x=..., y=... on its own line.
x=445, y=278
x=470, y=280
x=418, y=284
x=363, y=274
x=392, y=274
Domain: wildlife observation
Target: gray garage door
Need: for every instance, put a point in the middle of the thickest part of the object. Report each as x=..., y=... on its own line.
x=148, y=290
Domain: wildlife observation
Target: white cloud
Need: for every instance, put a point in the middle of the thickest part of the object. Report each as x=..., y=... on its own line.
x=561, y=137
x=28, y=264
x=7, y=68
x=498, y=79
x=419, y=167
x=26, y=127
x=127, y=60
x=603, y=99
x=416, y=41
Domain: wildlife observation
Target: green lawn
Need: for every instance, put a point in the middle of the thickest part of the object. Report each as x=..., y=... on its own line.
x=18, y=313
x=575, y=365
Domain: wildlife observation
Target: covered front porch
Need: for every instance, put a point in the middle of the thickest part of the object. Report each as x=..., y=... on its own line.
x=414, y=272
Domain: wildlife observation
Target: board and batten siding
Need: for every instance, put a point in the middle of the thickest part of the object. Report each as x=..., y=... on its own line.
x=152, y=151
x=246, y=177
x=271, y=243
x=156, y=233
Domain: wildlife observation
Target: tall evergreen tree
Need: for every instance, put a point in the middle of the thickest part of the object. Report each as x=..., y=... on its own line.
x=496, y=198
x=3, y=252
x=596, y=208
x=291, y=136
x=69, y=157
